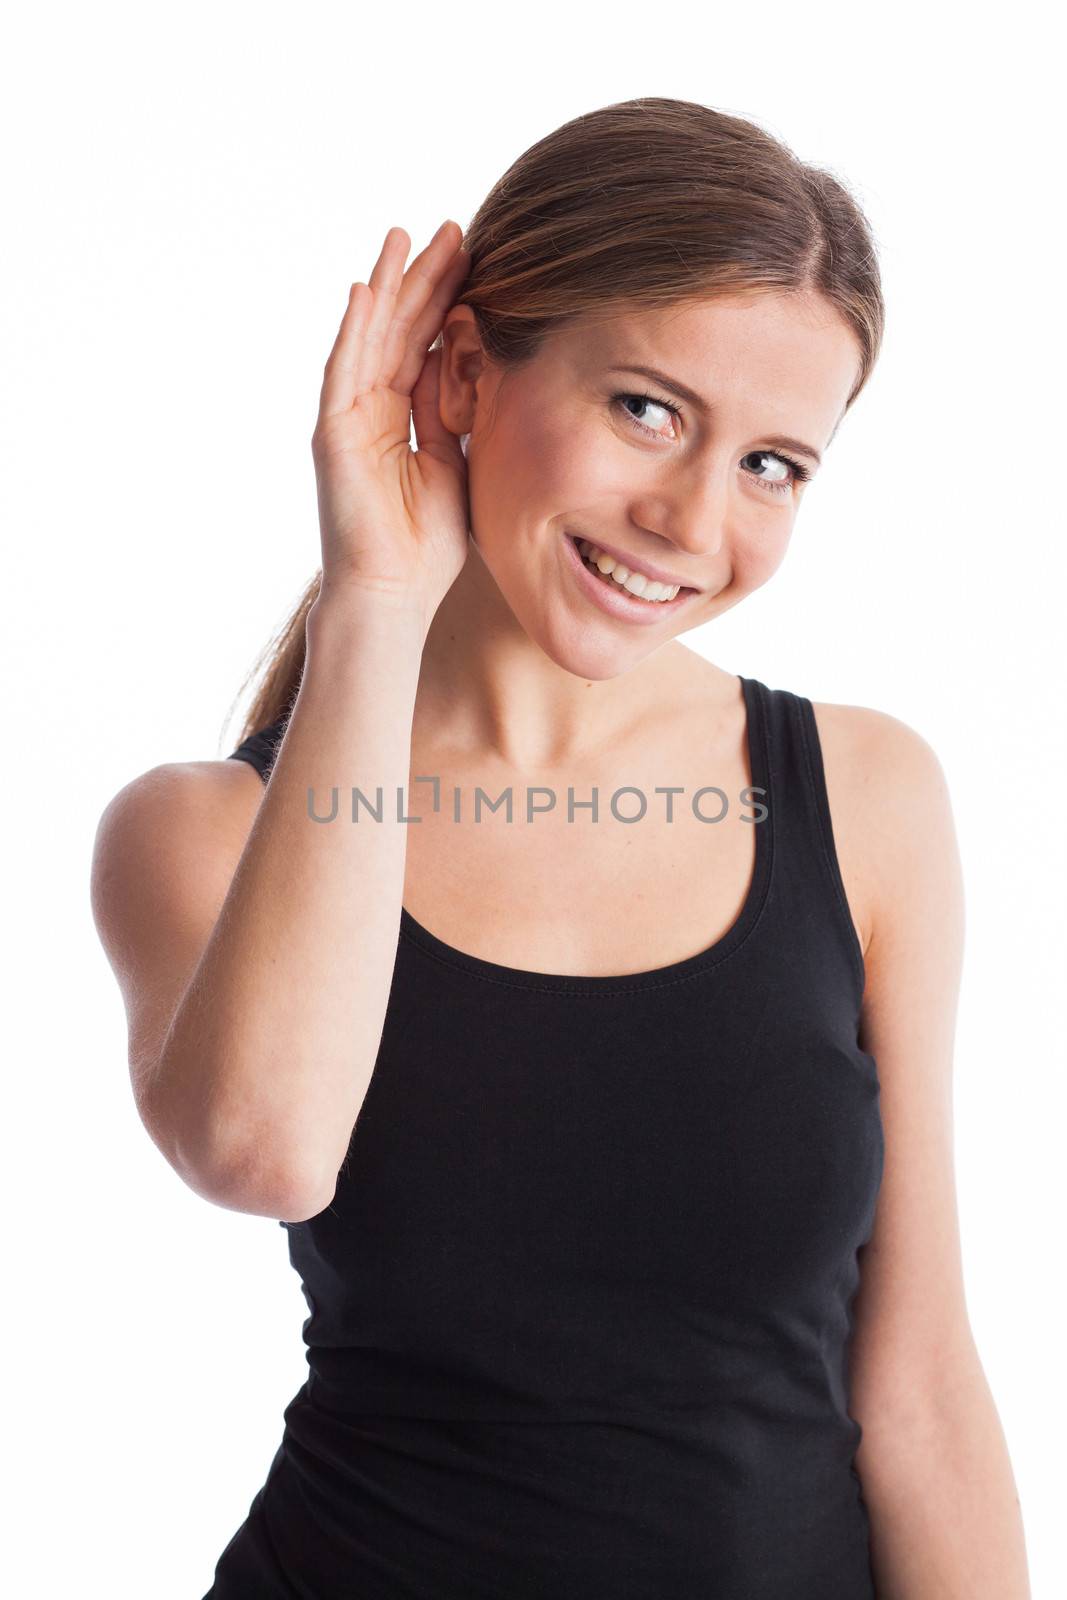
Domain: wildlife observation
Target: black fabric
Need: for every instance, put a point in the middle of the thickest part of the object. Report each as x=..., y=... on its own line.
x=580, y=1308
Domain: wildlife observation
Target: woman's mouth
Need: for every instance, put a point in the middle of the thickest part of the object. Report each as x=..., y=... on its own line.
x=611, y=571
x=622, y=593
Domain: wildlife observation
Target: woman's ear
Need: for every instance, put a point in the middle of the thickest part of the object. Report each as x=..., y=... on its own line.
x=462, y=363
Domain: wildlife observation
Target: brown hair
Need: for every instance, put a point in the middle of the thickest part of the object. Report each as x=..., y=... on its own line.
x=642, y=205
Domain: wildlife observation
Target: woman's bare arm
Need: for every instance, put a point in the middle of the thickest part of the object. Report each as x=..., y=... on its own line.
x=250, y=1069
x=933, y=1459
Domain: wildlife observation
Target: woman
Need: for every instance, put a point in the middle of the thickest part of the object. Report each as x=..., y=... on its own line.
x=583, y=1010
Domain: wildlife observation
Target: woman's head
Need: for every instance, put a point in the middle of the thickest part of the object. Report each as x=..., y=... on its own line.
x=580, y=443
x=665, y=234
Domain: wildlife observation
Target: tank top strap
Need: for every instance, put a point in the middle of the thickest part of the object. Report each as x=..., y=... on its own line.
x=809, y=887
x=261, y=747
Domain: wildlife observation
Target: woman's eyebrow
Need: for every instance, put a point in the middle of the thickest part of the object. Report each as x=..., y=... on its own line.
x=784, y=440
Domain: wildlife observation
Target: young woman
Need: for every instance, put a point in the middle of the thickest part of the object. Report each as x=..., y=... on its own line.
x=583, y=1010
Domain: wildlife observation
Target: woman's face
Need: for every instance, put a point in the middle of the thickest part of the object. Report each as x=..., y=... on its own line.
x=566, y=448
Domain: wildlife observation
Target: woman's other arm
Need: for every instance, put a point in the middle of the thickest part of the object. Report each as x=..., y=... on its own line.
x=937, y=1479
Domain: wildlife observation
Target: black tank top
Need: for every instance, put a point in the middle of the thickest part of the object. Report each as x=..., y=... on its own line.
x=580, y=1308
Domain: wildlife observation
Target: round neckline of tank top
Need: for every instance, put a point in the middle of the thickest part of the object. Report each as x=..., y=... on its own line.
x=676, y=971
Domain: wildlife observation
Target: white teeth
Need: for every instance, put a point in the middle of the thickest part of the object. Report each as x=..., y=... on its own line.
x=633, y=582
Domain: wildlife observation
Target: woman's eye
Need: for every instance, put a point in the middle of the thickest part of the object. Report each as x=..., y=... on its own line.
x=785, y=472
x=634, y=404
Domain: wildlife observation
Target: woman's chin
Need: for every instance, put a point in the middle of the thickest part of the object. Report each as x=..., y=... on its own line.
x=593, y=653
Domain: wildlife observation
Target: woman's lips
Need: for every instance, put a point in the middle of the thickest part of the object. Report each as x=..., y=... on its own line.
x=653, y=574
x=613, y=599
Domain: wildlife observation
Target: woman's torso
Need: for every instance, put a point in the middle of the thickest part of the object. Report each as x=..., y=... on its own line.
x=580, y=1306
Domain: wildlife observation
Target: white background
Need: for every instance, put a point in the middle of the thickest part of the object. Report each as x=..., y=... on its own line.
x=187, y=194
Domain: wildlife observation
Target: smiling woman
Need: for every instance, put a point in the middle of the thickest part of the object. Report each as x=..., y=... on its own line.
x=612, y=1151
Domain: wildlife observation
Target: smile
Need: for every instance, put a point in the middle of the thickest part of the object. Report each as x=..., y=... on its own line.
x=631, y=579
x=621, y=592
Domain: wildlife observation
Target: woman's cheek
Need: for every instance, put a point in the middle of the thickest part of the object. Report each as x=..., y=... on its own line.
x=757, y=560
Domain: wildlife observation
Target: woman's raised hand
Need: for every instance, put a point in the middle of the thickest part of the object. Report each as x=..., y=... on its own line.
x=394, y=521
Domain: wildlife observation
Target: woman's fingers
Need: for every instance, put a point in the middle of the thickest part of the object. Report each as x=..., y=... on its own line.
x=385, y=282
x=390, y=322
x=420, y=282
x=338, y=382
x=353, y=362
x=427, y=324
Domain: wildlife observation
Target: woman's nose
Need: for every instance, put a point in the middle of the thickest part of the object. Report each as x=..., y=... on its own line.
x=692, y=514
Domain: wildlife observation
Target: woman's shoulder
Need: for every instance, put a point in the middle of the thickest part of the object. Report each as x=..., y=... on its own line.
x=187, y=803
x=888, y=796
x=874, y=751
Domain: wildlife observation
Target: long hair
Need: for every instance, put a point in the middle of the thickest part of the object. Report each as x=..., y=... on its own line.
x=638, y=205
